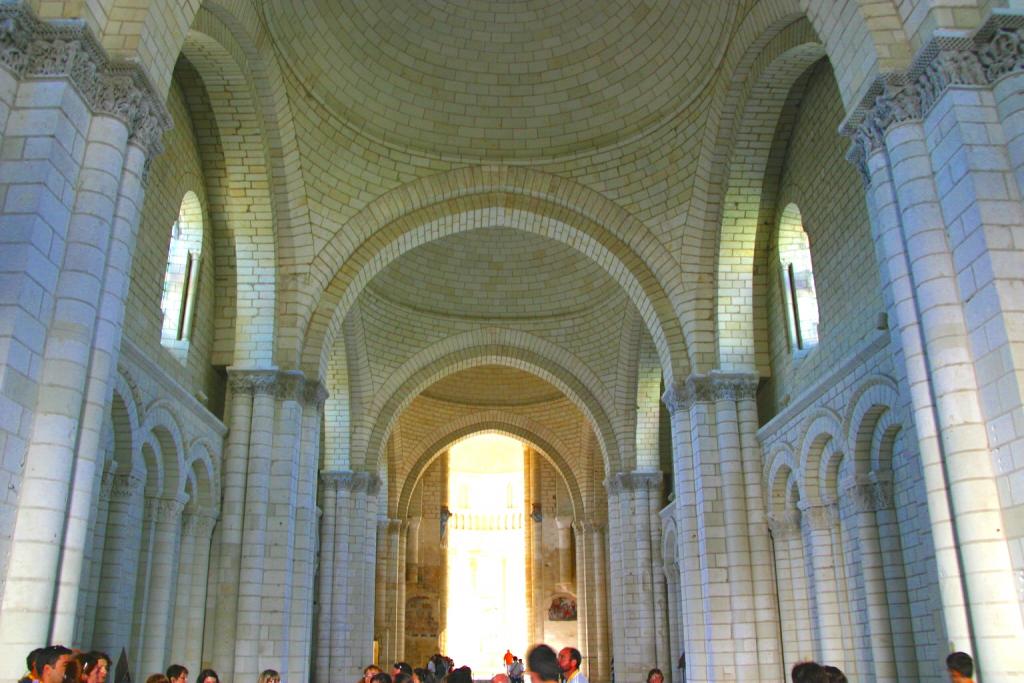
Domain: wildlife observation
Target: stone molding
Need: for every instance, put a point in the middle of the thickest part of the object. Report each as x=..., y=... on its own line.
x=349, y=481
x=165, y=509
x=197, y=524
x=124, y=486
x=634, y=481
x=710, y=388
x=870, y=496
x=283, y=385
x=819, y=517
x=584, y=526
x=35, y=49
x=995, y=49
x=782, y=524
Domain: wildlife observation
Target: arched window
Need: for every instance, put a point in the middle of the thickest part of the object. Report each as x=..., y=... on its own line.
x=798, y=280
x=181, y=280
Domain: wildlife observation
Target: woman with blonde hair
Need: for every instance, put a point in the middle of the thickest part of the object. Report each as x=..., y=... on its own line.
x=270, y=676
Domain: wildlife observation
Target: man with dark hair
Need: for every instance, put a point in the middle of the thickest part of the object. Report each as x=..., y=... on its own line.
x=401, y=668
x=809, y=672
x=569, y=660
x=543, y=664
x=51, y=662
x=835, y=674
x=30, y=663
x=960, y=667
x=176, y=673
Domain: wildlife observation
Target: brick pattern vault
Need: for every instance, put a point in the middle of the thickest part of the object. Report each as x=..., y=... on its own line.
x=566, y=223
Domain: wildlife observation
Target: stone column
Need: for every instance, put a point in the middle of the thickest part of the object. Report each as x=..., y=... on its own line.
x=390, y=561
x=565, y=575
x=864, y=499
x=956, y=206
x=630, y=531
x=797, y=644
x=817, y=522
x=592, y=581
x=344, y=627
x=115, y=605
x=536, y=550
x=156, y=632
x=412, y=551
x=94, y=561
x=190, y=598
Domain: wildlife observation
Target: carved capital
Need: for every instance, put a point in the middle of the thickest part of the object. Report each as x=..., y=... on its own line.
x=252, y=382
x=819, y=517
x=870, y=496
x=633, y=481
x=290, y=386
x=710, y=388
x=994, y=51
x=316, y=394
x=31, y=48
x=783, y=524
x=350, y=482
x=198, y=524
x=124, y=486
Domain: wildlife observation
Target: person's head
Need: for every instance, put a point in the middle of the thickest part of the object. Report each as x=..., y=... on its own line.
x=87, y=664
x=156, y=678
x=103, y=664
x=543, y=664
x=655, y=676
x=369, y=672
x=31, y=662
x=569, y=659
x=421, y=675
x=51, y=663
x=176, y=673
x=809, y=672
x=835, y=674
x=380, y=677
x=461, y=675
x=402, y=677
x=267, y=676
x=207, y=676
x=400, y=668
x=960, y=667
x=500, y=678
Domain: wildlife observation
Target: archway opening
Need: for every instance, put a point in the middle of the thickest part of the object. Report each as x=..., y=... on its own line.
x=486, y=542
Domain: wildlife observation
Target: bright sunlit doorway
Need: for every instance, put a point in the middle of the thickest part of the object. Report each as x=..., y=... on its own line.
x=486, y=550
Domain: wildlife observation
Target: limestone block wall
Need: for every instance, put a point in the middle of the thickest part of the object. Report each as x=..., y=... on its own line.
x=848, y=513
x=824, y=186
x=174, y=173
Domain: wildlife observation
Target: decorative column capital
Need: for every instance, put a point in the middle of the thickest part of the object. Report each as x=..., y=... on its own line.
x=633, y=481
x=315, y=395
x=819, y=517
x=35, y=49
x=710, y=388
x=197, y=523
x=290, y=386
x=995, y=49
x=252, y=382
x=870, y=495
x=785, y=523
x=124, y=486
x=584, y=527
x=350, y=482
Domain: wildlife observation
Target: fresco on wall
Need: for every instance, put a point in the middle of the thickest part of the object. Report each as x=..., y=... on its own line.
x=563, y=608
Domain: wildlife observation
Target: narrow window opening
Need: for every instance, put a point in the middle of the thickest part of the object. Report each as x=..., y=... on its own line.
x=181, y=277
x=798, y=276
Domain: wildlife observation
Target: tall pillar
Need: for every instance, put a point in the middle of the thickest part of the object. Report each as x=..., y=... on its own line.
x=190, y=598
x=563, y=525
x=156, y=633
x=630, y=531
x=591, y=562
x=74, y=128
x=797, y=642
x=943, y=182
x=412, y=550
x=345, y=621
x=817, y=522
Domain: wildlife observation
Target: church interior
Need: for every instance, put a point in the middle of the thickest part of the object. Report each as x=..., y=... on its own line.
x=688, y=333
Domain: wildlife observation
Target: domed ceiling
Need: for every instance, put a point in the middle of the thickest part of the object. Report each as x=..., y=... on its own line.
x=496, y=274
x=492, y=385
x=501, y=79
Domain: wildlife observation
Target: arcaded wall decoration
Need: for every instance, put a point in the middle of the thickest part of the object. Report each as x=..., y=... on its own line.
x=996, y=49
x=34, y=49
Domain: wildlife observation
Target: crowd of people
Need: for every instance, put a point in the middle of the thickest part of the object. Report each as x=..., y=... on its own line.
x=58, y=664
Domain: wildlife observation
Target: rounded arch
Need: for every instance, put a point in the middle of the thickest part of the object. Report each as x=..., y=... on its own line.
x=669, y=544
x=873, y=402
x=822, y=441
x=256, y=198
x=490, y=346
x=783, y=488
x=203, y=476
x=741, y=334
x=549, y=206
x=165, y=476
x=496, y=422
x=124, y=426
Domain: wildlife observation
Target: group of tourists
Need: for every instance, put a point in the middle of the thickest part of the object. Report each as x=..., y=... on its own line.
x=59, y=664
x=438, y=669
x=959, y=666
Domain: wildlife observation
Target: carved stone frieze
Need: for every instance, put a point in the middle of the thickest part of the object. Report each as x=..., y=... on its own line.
x=708, y=389
x=351, y=482
x=819, y=517
x=34, y=49
x=290, y=386
x=252, y=382
x=870, y=496
x=995, y=51
x=125, y=486
x=634, y=481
